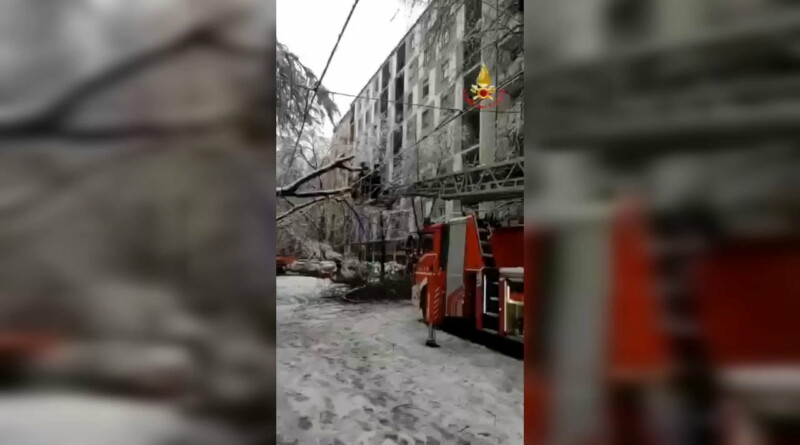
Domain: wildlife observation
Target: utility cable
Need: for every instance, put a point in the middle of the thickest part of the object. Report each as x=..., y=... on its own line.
x=319, y=83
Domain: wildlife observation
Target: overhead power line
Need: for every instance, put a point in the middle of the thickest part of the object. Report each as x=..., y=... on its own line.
x=319, y=83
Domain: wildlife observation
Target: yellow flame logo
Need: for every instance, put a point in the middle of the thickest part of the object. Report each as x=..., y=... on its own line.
x=484, y=79
x=484, y=88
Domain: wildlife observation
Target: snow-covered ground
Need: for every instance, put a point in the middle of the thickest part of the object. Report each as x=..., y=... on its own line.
x=361, y=375
x=81, y=419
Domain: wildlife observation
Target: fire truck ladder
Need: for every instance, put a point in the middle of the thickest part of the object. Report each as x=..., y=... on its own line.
x=491, y=277
x=493, y=182
x=483, y=183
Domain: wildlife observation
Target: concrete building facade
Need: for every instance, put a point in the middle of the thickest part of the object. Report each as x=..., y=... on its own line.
x=409, y=120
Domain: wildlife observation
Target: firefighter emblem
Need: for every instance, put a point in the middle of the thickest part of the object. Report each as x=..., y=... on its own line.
x=483, y=94
x=484, y=90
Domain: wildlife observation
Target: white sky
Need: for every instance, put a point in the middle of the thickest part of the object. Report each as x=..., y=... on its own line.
x=310, y=27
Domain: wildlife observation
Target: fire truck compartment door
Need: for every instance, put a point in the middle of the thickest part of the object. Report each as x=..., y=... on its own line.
x=455, y=256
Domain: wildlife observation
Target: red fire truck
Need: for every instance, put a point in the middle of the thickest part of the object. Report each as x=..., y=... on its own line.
x=470, y=270
x=670, y=322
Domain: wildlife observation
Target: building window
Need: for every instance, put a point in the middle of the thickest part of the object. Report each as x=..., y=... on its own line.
x=384, y=101
x=411, y=131
x=399, y=87
x=428, y=55
x=426, y=119
x=397, y=140
x=473, y=13
x=445, y=70
x=447, y=101
x=399, y=92
x=385, y=73
x=471, y=127
x=352, y=134
x=401, y=57
x=444, y=40
x=425, y=88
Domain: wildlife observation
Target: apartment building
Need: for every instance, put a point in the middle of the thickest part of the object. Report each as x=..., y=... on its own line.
x=409, y=121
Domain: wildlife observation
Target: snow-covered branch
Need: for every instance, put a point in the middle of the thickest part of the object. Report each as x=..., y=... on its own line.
x=321, y=193
x=291, y=190
x=297, y=208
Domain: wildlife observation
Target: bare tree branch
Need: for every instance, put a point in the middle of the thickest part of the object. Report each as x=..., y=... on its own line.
x=346, y=202
x=321, y=193
x=297, y=208
x=291, y=189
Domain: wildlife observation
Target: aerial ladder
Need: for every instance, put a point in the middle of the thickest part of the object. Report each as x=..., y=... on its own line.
x=469, y=270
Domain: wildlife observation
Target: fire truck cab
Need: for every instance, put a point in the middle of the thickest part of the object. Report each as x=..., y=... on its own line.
x=471, y=271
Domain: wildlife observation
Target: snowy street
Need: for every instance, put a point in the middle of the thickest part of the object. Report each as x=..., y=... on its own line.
x=359, y=374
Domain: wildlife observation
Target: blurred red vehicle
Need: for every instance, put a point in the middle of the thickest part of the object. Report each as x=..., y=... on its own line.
x=282, y=262
x=691, y=337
